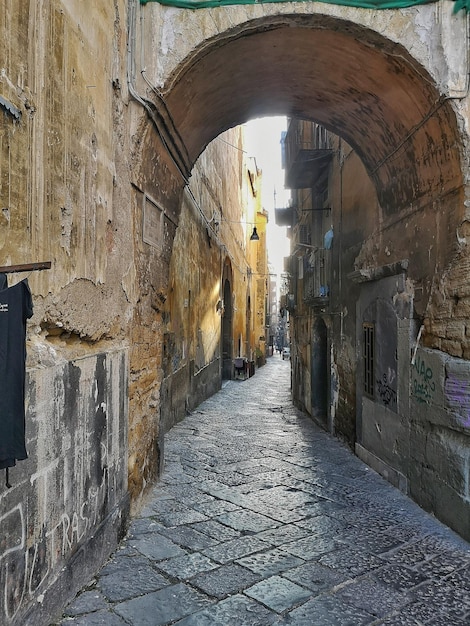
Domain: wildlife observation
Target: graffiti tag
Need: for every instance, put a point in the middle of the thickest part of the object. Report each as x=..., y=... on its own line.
x=457, y=393
x=387, y=393
x=25, y=568
x=423, y=385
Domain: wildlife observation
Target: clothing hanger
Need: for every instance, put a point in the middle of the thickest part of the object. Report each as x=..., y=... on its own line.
x=25, y=267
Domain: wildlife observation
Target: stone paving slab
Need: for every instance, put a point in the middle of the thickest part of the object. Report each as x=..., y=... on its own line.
x=162, y=607
x=261, y=517
x=278, y=594
x=128, y=576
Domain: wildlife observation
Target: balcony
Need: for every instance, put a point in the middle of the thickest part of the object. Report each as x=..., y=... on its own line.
x=308, y=154
x=308, y=168
x=284, y=216
x=287, y=303
x=289, y=267
x=316, y=278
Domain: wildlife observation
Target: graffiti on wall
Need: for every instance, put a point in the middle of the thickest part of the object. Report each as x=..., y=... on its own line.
x=457, y=394
x=76, y=478
x=454, y=398
x=423, y=385
x=24, y=566
x=385, y=388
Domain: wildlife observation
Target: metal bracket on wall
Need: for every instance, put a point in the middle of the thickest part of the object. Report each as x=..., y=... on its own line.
x=25, y=267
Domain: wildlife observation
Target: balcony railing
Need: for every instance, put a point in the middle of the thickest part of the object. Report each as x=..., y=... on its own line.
x=284, y=216
x=308, y=151
x=316, y=277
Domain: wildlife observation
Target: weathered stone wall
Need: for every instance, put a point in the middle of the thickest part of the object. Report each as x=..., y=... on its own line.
x=65, y=198
x=356, y=218
x=412, y=426
x=191, y=340
x=443, y=54
x=413, y=431
x=154, y=236
x=68, y=504
x=383, y=422
x=440, y=417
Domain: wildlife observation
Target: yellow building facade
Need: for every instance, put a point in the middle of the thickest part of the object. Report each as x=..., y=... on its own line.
x=215, y=311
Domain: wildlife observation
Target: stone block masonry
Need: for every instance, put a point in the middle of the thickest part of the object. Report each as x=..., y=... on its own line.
x=440, y=422
x=68, y=505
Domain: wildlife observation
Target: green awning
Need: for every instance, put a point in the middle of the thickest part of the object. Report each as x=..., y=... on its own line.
x=363, y=4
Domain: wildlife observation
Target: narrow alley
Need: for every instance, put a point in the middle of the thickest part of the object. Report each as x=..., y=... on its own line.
x=260, y=517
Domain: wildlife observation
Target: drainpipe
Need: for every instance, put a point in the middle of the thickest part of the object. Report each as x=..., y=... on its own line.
x=155, y=116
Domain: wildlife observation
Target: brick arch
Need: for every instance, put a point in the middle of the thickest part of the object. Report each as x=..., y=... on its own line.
x=355, y=82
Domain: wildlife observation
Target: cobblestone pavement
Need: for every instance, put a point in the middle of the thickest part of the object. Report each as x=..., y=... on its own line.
x=260, y=517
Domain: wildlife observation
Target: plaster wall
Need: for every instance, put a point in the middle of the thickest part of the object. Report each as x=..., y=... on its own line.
x=65, y=197
x=444, y=54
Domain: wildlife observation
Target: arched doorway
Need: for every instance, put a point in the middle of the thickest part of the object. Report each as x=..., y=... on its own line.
x=227, y=332
x=248, y=327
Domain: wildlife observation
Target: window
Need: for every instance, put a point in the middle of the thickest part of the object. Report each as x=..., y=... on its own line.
x=152, y=223
x=368, y=339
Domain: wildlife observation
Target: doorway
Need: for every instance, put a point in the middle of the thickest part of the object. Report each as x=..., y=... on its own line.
x=319, y=383
x=227, y=324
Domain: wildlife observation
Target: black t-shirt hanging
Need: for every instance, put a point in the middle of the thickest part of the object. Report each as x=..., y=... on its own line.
x=16, y=306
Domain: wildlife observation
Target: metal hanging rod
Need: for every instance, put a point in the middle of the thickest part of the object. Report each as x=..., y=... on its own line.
x=25, y=267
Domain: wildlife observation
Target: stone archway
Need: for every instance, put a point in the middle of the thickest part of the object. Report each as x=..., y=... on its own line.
x=348, y=71
x=312, y=66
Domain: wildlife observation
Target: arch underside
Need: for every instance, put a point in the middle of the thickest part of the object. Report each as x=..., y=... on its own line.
x=351, y=80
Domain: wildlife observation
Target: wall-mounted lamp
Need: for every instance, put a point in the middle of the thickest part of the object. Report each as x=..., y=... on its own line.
x=254, y=235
